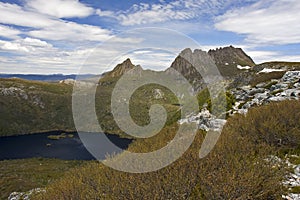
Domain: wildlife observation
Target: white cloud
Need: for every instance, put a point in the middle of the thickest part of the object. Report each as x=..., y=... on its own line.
x=61, y=8
x=151, y=59
x=49, y=28
x=12, y=46
x=104, y=13
x=8, y=32
x=71, y=31
x=177, y=10
x=36, y=42
x=155, y=13
x=268, y=56
x=27, y=46
x=262, y=56
x=266, y=22
x=290, y=58
x=16, y=15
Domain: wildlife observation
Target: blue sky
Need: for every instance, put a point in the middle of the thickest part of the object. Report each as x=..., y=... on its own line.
x=59, y=36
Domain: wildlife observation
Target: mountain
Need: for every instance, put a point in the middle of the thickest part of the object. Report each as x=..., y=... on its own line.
x=183, y=65
x=121, y=68
x=230, y=60
x=34, y=106
x=231, y=55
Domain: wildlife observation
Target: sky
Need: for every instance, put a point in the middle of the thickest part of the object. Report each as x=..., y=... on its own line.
x=88, y=36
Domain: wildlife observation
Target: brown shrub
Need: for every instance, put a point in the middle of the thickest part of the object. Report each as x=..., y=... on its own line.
x=235, y=169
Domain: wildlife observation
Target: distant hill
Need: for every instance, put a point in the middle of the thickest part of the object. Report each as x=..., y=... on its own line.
x=47, y=78
x=33, y=106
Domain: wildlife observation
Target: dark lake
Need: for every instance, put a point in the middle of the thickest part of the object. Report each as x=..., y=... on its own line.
x=39, y=145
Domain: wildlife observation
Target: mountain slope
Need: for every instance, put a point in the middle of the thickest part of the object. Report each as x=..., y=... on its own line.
x=229, y=58
x=120, y=69
x=31, y=106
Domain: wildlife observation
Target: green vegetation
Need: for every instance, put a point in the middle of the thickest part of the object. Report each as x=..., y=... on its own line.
x=265, y=77
x=269, y=85
x=31, y=106
x=61, y=136
x=295, y=190
x=26, y=174
x=204, y=98
x=140, y=103
x=236, y=168
x=39, y=107
x=276, y=92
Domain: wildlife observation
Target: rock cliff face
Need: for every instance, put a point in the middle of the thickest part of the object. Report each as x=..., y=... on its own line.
x=231, y=55
x=231, y=61
x=122, y=68
x=183, y=65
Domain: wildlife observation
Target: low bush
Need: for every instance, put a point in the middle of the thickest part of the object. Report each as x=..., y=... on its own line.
x=237, y=167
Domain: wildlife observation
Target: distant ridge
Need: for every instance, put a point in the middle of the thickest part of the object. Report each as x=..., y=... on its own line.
x=46, y=78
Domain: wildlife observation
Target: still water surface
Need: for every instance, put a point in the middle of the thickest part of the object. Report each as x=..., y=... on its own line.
x=39, y=145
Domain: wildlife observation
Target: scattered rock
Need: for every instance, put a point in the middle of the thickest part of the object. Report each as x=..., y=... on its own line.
x=286, y=88
x=25, y=195
x=158, y=94
x=205, y=120
x=291, y=76
x=68, y=81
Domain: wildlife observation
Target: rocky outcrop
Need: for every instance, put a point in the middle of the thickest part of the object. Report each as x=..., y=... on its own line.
x=183, y=65
x=228, y=61
x=122, y=68
x=158, y=94
x=205, y=120
x=22, y=94
x=25, y=195
x=286, y=88
x=292, y=179
x=68, y=81
x=231, y=55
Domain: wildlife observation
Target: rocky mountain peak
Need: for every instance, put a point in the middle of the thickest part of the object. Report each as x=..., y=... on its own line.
x=121, y=68
x=230, y=62
x=184, y=65
x=231, y=56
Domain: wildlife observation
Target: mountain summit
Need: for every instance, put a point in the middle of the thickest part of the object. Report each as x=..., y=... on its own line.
x=183, y=65
x=121, y=68
x=230, y=60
